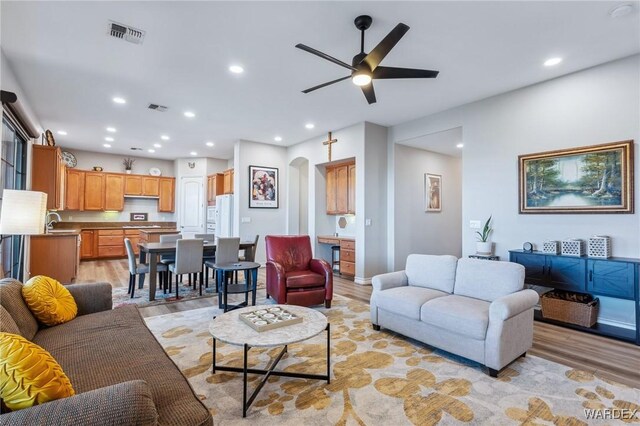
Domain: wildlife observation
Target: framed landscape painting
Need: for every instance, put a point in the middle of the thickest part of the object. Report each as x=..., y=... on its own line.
x=592, y=179
x=263, y=191
x=433, y=192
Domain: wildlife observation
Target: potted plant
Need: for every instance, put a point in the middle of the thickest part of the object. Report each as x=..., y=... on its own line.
x=128, y=164
x=484, y=246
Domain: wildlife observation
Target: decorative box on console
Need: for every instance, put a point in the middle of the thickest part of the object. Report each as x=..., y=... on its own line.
x=599, y=246
x=573, y=247
x=551, y=247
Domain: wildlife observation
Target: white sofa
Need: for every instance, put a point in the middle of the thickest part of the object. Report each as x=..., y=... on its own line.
x=477, y=309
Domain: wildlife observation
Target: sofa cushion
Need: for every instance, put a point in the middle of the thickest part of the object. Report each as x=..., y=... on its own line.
x=49, y=301
x=110, y=347
x=406, y=300
x=302, y=279
x=11, y=300
x=488, y=280
x=437, y=272
x=7, y=324
x=459, y=314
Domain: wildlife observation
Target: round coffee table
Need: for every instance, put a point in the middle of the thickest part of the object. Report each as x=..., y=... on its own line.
x=229, y=328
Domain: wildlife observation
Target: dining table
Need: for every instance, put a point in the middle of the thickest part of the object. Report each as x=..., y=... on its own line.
x=151, y=252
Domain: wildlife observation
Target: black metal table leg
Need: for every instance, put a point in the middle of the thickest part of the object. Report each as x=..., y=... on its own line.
x=328, y=353
x=244, y=382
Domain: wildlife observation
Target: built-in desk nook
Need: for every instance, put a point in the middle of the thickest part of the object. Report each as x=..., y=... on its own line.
x=347, y=252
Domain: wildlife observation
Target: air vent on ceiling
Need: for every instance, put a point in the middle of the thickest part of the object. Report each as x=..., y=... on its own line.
x=133, y=148
x=159, y=108
x=125, y=32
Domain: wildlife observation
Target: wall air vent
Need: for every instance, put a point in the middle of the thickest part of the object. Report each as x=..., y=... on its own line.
x=133, y=148
x=159, y=108
x=125, y=32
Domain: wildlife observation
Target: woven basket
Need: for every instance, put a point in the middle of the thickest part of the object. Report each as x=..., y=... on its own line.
x=572, y=308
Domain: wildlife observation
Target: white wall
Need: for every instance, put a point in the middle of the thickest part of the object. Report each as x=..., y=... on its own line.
x=260, y=221
x=593, y=106
x=418, y=231
x=10, y=83
x=113, y=162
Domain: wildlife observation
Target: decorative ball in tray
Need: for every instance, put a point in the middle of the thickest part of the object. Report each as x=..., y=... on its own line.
x=269, y=318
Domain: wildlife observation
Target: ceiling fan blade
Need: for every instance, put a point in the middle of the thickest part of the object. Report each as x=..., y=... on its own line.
x=393, y=72
x=383, y=48
x=324, y=56
x=369, y=93
x=320, y=86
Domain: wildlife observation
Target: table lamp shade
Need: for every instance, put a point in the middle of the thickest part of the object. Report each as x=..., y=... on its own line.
x=23, y=212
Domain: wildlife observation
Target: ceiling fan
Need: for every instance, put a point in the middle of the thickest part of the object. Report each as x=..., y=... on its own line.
x=365, y=67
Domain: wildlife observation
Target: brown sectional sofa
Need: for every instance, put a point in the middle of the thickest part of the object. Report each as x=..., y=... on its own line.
x=120, y=373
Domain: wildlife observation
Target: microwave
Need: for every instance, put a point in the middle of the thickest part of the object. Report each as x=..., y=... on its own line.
x=211, y=214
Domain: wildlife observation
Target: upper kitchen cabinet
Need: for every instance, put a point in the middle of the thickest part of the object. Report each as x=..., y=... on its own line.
x=94, y=191
x=147, y=186
x=150, y=186
x=114, y=192
x=167, y=195
x=341, y=189
x=228, y=181
x=133, y=185
x=50, y=175
x=74, y=199
x=215, y=187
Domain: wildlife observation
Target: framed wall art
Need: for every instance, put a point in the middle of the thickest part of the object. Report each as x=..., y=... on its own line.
x=591, y=179
x=433, y=192
x=263, y=190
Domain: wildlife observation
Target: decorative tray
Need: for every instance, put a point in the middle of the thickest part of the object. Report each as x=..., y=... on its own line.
x=269, y=318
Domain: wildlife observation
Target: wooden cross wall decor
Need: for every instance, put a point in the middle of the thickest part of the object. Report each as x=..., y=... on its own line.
x=329, y=142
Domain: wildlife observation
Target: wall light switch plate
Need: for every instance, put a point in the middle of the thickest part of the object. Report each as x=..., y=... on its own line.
x=367, y=222
x=246, y=220
x=475, y=224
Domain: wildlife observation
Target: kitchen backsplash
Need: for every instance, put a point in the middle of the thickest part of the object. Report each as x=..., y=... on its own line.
x=346, y=225
x=131, y=205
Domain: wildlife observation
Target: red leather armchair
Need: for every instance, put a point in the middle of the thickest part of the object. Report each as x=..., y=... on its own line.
x=293, y=277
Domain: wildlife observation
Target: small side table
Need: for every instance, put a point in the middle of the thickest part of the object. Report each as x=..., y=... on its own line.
x=250, y=286
x=484, y=256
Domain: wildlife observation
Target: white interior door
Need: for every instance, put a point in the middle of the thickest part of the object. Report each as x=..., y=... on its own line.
x=191, y=205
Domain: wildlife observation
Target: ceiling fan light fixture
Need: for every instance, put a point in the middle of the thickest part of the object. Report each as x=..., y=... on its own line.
x=361, y=78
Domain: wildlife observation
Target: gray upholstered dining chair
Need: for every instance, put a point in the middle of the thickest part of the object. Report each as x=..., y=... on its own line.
x=188, y=260
x=140, y=270
x=166, y=259
x=249, y=254
x=212, y=257
x=226, y=252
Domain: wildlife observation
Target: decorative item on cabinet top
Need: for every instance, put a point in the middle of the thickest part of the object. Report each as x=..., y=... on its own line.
x=599, y=246
x=551, y=246
x=69, y=159
x=154, y=171
x=128, y=164
x=572, y=247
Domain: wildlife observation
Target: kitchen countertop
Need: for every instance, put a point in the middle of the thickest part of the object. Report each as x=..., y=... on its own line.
x=70, y=232
x=338, y=238
x=157, y=230
x=89, y=226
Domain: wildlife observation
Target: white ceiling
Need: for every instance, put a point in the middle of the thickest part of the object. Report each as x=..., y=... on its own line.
x=70, y=69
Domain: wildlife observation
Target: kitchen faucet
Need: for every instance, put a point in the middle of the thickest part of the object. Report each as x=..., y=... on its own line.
x=50, y=222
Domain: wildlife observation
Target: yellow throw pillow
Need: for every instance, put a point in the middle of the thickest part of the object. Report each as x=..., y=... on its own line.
x=28, y=374
x=49, y=301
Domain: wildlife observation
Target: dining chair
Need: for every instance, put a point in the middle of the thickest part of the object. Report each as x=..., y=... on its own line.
x=226, y=252
x=212, y=257
x=249, y=255
x=166, y=259
x=139, y=269
x=188, y=260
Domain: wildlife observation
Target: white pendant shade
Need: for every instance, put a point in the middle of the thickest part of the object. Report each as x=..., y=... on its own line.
x=22, y=212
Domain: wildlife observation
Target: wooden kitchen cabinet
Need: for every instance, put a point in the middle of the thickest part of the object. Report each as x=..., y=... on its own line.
x=150, y=186
x=228, y=181
x=341, y=189
x=55, y=256
x=113, y=192
x=94, y=191
x=133, y=185
x=167, y=195
x=111, y=243
x=347, y=257
x=74, y=199
x=215, y=187
x=49, y=175
x=88, y=245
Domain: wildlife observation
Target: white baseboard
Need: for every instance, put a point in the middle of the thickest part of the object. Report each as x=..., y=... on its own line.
x=616, y=323
x=362, y=281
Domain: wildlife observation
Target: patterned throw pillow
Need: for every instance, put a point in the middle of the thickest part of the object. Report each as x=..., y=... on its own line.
x=28, y=374
x=49, y=301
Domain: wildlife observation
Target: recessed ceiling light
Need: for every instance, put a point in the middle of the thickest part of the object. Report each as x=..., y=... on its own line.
x=189, y=114
x=106, y=145
x=622, y=10
x=552, y=61
x=151, y=150
x=119, y=100
x=236, y=69
x=277, y=139
x=165, y=137
x=109, y=139
x=111, y=129
x=460, y=145
x=309, y=125
x=157, y=145
x=62, y=133
x=210, y=144
x=193, y=153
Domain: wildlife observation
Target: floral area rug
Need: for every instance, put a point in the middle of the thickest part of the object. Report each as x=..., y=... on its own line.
x=379, y=377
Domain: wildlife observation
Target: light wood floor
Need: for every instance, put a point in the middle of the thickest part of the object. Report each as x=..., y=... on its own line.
x=602, y=356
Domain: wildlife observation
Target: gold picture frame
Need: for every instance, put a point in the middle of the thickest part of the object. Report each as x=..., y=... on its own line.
x=432, y=192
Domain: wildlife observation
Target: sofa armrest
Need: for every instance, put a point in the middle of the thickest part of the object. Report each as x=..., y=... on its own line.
x=128, y=403
x=91, y=297
x=322, y=267
x=389, y=280
x=512, y=304
x=276, y=286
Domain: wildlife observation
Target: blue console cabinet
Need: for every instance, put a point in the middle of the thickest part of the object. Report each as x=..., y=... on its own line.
x=613, y=277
